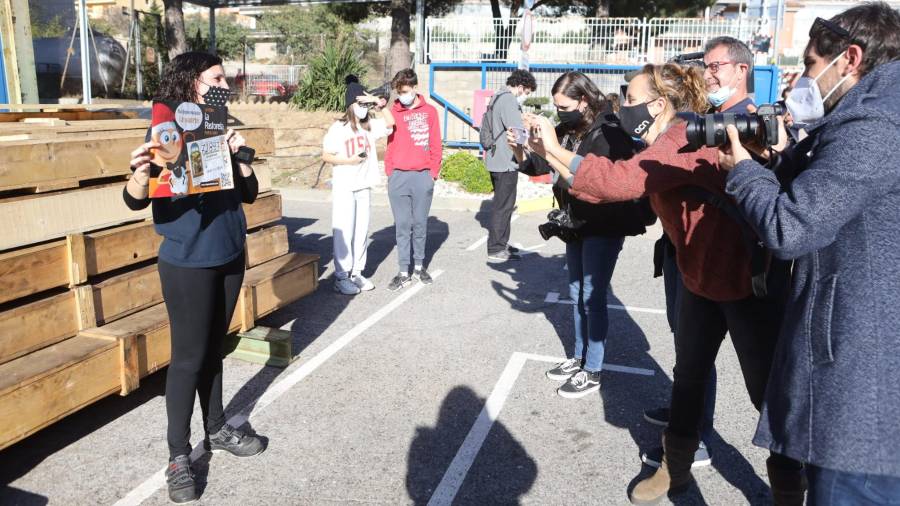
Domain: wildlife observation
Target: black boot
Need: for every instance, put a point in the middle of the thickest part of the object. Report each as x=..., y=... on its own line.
x=787, y=480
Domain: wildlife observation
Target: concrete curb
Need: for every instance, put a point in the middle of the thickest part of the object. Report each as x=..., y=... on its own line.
x=443, y=203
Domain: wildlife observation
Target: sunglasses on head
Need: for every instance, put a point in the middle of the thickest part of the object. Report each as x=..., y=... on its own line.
x=832, y=27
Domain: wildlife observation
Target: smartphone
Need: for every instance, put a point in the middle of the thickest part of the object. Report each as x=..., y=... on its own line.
x=521, y=135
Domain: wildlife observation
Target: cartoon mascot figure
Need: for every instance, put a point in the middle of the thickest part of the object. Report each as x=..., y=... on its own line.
x=164, y=131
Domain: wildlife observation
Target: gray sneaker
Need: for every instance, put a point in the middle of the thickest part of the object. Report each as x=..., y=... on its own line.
x=653, y=458
x=236, y=442
x=503, y=256
x=565, y=370
x=580, y=384
x=399, y=282
x=423, y=276
x=180, y=479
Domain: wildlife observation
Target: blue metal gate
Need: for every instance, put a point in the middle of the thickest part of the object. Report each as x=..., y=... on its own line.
x=4, y=93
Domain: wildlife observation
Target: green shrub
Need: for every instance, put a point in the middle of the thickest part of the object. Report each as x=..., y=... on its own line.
x=323, y=86
x=467, y=170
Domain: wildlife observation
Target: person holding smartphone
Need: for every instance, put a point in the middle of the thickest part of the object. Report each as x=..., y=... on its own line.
x=587, y=125
x=349, y=146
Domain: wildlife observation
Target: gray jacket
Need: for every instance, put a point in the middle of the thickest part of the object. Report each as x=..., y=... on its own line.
x=506, y=113
x=834, y=393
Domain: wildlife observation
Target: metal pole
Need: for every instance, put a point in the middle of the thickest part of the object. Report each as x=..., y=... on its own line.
x=85, y=53
x=779, y=14
x=212, y=30
x=139, y=58
x=420, y=30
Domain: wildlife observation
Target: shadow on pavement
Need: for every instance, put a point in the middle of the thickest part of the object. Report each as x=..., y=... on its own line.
x=501, y=473
x=624, y=396
x=16, y=497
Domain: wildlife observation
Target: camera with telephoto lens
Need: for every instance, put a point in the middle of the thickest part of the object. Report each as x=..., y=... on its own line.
x=709, y=129
x=560, y=224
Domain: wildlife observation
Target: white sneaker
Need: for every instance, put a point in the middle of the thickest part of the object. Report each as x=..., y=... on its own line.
x=364, y=284
x=345, y=286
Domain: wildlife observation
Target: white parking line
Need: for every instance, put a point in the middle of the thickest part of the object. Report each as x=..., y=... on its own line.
x=553, y=298
x=456, y=473
x=158, y=480
x=483, y=239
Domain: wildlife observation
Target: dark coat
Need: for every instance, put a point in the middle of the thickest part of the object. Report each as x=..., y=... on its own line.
x=834, y=395
x=605, y=138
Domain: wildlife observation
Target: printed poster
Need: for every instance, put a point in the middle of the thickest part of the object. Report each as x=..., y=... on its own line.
x=193, y=156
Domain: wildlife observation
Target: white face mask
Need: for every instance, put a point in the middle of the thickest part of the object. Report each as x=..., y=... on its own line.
x=407, y=98
x=359, y=111
x=805, y=102
x=521, y=99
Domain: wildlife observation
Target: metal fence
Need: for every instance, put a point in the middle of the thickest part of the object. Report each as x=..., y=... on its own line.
x=624, y=41
x=265, y=80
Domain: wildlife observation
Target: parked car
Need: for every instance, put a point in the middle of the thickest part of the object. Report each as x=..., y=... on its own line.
x=266, y=85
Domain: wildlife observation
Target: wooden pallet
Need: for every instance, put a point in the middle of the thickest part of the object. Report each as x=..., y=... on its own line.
x=143, y=337
x=47, y=384
x=14, y=117
x=73, y=260
x=45, y=165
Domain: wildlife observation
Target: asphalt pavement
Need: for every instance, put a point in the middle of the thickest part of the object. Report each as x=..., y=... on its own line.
x=429, y=395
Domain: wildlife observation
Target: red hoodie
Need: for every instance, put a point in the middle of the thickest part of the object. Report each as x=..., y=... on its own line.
x=415, y=143
x=712, y=253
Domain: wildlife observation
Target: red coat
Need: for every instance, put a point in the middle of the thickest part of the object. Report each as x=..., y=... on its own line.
x=712, y=254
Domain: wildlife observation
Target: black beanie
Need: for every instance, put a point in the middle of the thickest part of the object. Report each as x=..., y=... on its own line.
x=354, y=89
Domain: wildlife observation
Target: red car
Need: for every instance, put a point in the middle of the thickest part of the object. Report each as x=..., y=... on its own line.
x=266, y=85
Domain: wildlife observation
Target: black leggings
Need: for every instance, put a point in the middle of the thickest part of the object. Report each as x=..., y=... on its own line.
x=702, y=323
x=200, y=303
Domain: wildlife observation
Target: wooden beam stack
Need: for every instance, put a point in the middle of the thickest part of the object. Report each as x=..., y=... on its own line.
x=81, y=309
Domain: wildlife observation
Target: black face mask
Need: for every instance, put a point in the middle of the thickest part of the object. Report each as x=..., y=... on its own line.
x=635, y=119
x=570, y=119
x=216, y=96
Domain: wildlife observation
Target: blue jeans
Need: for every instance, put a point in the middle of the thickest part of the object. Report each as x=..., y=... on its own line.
x=674, y=287
x=591, y=262
x=837, y=488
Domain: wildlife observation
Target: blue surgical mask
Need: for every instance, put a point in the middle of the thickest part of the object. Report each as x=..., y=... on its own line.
x=720, y=96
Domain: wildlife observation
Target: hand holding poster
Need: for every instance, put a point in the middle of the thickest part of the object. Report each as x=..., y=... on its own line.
x=193, y=156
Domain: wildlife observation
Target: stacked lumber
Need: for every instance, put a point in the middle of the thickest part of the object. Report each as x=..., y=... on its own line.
x=81, y=308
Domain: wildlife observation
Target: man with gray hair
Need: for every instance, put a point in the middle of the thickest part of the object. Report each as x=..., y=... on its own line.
x=728, y=68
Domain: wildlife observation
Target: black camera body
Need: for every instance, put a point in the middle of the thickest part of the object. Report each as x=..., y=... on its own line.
x=560, y=224
x=245, y=154
x=709, y=129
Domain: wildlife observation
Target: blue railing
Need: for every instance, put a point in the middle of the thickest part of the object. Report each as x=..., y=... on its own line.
x=765, y=85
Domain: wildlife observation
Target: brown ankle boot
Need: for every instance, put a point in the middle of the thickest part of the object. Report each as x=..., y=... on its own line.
x=787, y=479
x=674, y=473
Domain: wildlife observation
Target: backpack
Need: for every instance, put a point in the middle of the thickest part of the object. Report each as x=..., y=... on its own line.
x=486, y=133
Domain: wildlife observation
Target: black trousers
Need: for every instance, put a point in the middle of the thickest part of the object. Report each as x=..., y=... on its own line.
x=753, y=324
x=200, y=303
x=502, y=206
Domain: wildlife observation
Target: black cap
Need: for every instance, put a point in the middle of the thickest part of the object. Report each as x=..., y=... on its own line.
x=354, y=89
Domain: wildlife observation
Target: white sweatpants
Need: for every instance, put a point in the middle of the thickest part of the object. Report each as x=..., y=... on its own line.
x=350, y=229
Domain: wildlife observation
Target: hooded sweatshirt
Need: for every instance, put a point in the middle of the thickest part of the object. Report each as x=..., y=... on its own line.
x=415, y=143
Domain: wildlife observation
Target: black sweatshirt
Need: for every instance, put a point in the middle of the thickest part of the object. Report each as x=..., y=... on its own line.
x=604, y=138
x=201, y=230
